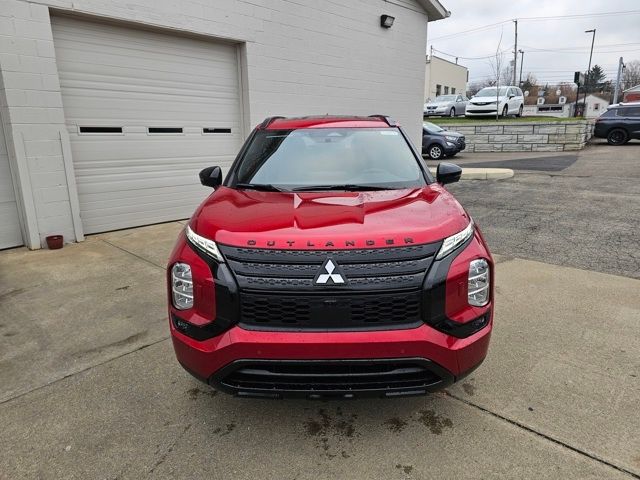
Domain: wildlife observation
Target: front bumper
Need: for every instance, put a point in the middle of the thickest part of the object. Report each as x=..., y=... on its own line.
x=445, y=358
x=480, y=111
x=435, y=113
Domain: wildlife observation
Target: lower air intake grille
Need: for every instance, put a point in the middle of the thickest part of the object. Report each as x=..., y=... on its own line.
x=385, y=377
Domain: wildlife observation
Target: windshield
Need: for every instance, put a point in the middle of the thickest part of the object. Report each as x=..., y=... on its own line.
x=432, y=127
x=445, y=98
x=491, y=92
x=329, y=157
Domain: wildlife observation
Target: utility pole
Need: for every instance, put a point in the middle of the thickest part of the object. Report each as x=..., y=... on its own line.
x=515, y=52
x=617, y=90
x=584, y=99
x=521, y=62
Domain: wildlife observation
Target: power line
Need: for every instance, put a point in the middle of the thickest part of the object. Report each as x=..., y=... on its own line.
x=477, y=29
x=534, y=19
x=582, y=15
x=471, y=58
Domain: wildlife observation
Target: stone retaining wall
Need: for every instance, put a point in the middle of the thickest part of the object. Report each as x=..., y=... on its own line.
x=525, y=137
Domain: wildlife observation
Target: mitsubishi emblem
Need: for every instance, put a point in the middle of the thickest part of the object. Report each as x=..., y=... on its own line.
x=328, y=274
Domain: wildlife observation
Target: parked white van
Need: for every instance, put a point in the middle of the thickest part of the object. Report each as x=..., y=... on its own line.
x=506, y=101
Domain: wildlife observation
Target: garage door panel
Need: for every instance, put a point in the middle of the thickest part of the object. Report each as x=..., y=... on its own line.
x=175, y=69
x=171, y=113
x=109, y=39
x=117, y=76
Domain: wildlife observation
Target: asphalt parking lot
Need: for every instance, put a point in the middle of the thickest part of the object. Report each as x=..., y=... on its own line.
x=91, y=389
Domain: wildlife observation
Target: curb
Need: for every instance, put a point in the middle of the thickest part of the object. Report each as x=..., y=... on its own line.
x=483, y=173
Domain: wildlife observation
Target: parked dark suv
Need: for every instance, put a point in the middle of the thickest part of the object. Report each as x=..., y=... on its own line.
x=438, y=142
x=619, y=124
x=330, y=262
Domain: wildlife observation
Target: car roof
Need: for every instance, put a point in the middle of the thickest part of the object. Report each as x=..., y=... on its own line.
x=624, y=104
x=327, y=121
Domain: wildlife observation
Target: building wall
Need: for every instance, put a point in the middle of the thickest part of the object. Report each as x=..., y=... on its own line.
x=444, y=73
x=595, y=106
x=296, y=58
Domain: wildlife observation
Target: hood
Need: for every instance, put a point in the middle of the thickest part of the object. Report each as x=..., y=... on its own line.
x=451, y=133
x=486, y=99
x=329, y=220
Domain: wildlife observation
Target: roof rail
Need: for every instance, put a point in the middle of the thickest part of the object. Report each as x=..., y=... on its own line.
x=390, y=121
x=268, y=121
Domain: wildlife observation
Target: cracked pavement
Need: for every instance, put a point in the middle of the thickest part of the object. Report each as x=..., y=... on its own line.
x=91, y=389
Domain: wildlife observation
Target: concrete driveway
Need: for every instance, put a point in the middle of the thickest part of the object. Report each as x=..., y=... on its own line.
x=91, y=389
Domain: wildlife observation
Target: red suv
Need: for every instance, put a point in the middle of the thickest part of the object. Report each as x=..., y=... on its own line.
x=330, y=262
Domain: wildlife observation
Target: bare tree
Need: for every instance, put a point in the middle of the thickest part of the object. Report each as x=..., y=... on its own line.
x=507, y=74
x=497, y=64
x=631, y=76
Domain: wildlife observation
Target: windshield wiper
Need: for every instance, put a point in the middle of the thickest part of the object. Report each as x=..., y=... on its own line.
x=263, y=187
x=350, y=187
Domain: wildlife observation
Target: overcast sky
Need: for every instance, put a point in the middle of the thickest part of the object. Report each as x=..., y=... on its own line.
x=616, y=35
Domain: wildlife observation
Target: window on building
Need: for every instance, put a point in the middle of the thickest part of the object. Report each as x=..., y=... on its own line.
x=438, y=90
x=453, y=90
x=446, y=90
x=596, y=106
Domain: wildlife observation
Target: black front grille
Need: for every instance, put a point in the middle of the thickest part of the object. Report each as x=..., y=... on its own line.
x=321, y=312
x=382, y=288
x=386, y=377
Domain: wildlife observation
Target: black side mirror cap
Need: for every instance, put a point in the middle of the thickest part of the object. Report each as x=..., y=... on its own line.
x=211, y=177
x=448, y=173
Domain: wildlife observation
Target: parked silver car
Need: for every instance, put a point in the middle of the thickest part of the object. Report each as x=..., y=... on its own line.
x=446, y=106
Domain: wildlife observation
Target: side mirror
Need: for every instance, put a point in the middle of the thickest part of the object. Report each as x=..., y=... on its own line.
x=511, y=96
x=211, y=177
x=448, y=173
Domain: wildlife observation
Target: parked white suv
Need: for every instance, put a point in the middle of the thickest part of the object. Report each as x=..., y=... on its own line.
x=509, y=100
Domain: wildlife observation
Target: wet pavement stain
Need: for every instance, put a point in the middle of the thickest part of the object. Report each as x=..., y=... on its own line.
x=195, y=392
x=436, y=423
x=332, y=433
x=469, y=388
x=395, y=424
x=405, y=468
x=230, y=427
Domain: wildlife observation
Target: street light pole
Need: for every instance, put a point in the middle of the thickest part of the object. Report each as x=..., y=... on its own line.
x=515, y=52
x=521, y=62
x=584, y=99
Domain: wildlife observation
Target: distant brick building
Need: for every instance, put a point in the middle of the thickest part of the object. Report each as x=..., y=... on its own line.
x=631, y=94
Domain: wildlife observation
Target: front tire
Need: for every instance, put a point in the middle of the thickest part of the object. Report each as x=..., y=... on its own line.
x=519, y=114
x=452, y=112
x=617, y=136
x=435, y=152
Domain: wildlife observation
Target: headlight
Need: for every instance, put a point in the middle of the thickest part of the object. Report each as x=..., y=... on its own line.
x=454, y=241
x=182, y=286
x=478, y=283
x=450, y=138
x=204, y=244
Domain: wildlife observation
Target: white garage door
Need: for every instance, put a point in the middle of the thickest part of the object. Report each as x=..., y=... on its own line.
x=10, y=235
x=145, y=111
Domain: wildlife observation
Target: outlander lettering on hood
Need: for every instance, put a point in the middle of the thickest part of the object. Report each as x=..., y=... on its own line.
x=330, y=263
x=330, y=243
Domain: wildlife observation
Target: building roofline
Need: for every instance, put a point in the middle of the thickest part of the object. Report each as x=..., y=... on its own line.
x=435, y=10
x=631, y=89
x=448, y=61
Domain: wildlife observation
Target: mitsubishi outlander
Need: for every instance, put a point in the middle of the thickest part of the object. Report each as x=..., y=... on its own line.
x=330, y=263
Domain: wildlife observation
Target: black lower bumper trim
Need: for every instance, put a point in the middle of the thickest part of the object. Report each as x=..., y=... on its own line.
x=317, y=379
